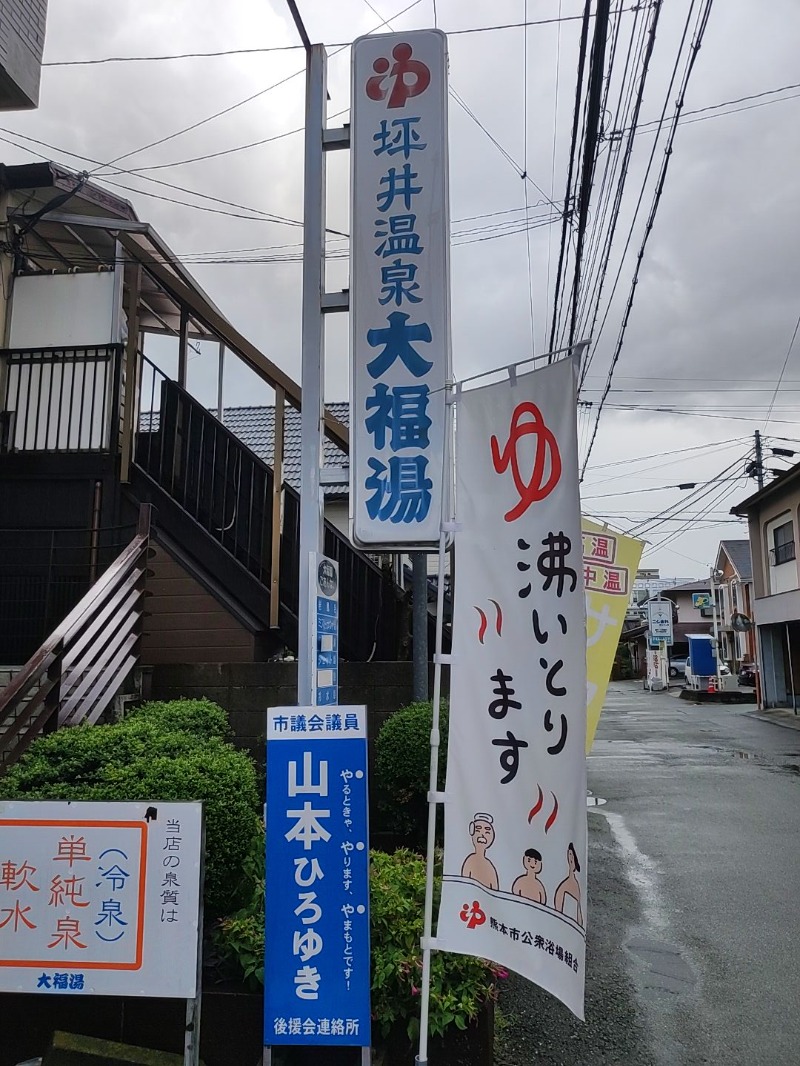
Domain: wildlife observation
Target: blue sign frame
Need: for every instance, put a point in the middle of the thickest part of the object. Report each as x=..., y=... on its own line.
x=316, y=945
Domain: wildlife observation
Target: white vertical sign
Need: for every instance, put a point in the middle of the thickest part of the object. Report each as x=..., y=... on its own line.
x=515, y=817
x=659, y=619
x=323, y=613
x=399, y=287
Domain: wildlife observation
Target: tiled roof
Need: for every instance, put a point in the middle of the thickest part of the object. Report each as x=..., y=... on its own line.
x=255, y=427
x=738, y=551
x=690, y=586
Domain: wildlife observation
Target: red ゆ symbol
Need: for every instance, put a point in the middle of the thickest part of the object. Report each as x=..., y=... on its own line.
x=419, y=77
x=473, y=915
x=536, y=488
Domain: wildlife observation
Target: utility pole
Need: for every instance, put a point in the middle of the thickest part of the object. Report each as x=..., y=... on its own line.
x=759, y=463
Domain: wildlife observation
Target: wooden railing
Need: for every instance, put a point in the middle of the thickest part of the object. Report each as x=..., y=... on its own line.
x=227, y=490
x=78, y=670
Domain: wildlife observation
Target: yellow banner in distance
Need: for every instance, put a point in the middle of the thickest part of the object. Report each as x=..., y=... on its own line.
x=610, y=562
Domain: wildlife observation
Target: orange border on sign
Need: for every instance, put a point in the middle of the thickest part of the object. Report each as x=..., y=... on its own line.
x=58, y=823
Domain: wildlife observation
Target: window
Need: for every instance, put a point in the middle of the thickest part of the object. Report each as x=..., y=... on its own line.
x=783, y=541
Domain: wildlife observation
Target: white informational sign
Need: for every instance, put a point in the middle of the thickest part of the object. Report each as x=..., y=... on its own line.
x=100, y=898
x=659, y=619
x=399, y=287
x=514, y=887
x=323, y=613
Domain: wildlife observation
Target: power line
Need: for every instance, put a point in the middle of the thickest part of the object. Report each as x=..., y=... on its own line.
x=651, y=160
x=232, y=107
x=783, y=371
x=267, y=215
x=573, y=148
x=590, y=145
x=724, y=103
x=694, y=49
x=621, y=163
x=297, y=47
x=525, y=165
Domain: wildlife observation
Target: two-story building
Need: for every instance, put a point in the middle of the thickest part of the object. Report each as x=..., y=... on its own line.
x=136, y=527
x=735, y=603
x=773, y=515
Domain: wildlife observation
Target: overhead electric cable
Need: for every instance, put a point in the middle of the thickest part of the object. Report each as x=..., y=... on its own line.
x=590, y=145
x=783, y=371
x=694, y=49
x=570, y=167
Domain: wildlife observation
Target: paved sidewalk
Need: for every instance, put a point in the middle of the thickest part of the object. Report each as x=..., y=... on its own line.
x=778, y=716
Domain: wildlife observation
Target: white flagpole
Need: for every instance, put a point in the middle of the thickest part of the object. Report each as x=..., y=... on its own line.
x=434, y=797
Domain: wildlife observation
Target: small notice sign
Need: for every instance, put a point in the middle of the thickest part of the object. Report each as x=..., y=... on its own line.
x=100, y=898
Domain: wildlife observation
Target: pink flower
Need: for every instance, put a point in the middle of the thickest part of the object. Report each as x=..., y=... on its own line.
x=414, y=990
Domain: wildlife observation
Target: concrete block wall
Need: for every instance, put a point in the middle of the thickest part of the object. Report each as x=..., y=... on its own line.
x=246, y=690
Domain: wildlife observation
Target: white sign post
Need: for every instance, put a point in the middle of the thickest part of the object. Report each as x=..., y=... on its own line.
x=323, y=614
x=103, y=899
x=400, y=288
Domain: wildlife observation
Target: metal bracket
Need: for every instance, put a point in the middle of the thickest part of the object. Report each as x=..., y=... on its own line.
x=443, y=658
x=335, y=138
x=438, y=797
x=428, y=943
x=335, y=301
x=451, y=527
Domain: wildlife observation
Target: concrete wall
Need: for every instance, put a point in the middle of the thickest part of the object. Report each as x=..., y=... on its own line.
x=22, y=26
x=246, y=690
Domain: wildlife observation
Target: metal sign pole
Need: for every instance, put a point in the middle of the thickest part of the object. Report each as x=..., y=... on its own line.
x=313, y=347
x=191, y=1040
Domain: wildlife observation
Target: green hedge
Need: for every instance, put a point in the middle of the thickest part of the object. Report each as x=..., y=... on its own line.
x=460, y=985
x=402, y=769
x=162, y=752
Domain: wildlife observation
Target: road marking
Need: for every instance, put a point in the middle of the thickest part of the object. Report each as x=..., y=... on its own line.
x=640, y=871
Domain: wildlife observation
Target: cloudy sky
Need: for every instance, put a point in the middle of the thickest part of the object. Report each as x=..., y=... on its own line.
x=719, y=290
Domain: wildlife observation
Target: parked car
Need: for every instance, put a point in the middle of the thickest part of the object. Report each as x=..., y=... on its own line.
x=677, y=667
x=747, y=674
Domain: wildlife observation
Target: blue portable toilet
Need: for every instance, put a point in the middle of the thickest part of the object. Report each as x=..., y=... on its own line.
x=702, y=661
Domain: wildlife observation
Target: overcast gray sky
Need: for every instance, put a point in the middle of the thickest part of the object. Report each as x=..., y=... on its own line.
x=719, y=292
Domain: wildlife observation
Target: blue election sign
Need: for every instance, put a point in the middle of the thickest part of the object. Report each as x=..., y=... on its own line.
x=316, y=948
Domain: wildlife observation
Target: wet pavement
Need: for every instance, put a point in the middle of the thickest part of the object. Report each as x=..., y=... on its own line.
x=694, y=893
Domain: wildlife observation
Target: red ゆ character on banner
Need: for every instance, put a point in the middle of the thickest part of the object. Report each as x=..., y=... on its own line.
x=538, y=487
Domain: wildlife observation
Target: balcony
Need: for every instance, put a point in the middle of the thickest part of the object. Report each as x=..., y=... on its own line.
x=60, y=399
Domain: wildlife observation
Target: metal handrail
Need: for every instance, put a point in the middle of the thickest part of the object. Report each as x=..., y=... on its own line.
x=77, y=671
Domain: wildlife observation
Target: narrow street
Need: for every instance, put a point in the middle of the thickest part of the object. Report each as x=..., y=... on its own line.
x=693, y=895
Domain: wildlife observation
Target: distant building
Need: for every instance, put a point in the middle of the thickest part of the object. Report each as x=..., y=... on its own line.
x=22, y=26
x=735, y=602
x=649, y=583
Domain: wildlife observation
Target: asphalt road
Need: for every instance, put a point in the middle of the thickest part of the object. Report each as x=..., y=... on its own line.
x=694, y=896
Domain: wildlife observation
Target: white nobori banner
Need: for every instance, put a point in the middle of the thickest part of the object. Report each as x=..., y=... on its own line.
x=515, y=815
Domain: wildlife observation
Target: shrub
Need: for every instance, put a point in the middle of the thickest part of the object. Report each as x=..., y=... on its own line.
x=460, y=985
x=402, y=769
x=200, y=717
x=140, y=760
